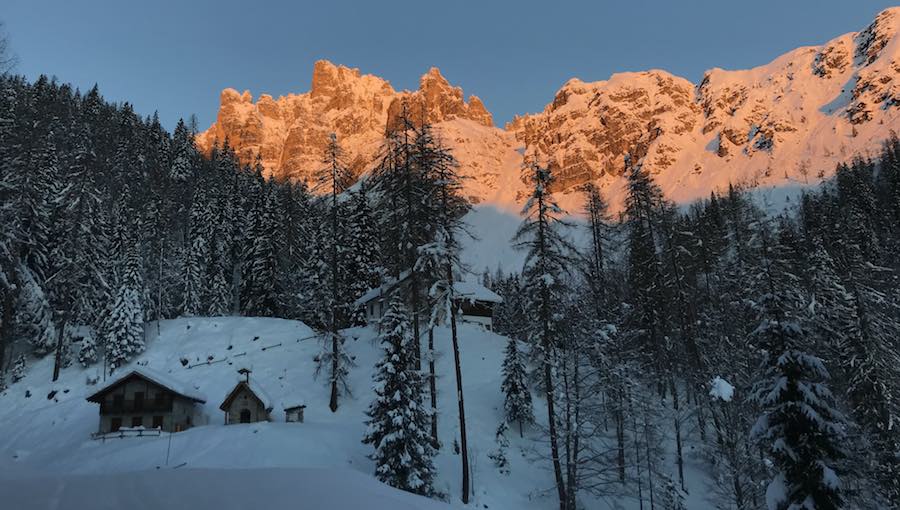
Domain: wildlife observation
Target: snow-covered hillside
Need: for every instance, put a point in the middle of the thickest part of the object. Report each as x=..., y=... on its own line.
x=45, y=442
x=41, y=437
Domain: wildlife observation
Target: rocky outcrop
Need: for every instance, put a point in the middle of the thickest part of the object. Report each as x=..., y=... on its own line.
x=800, y=114
x=584, y=134
x=783, y=122
x=289, y=134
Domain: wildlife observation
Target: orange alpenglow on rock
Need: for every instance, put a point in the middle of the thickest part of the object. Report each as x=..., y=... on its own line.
x=802, y=114
x=291, y=132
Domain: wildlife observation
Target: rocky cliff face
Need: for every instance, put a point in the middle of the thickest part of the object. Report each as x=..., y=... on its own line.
x=784, y=123
x=290, y=133
x=587, y=129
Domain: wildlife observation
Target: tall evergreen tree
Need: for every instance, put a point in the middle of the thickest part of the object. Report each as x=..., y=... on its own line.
x=398, y=417
x=124, y=326
x=442, y=257
x=334, y=178
x=799, y=424
x=545, y=266
x=517, y=397
x=259, y=294
x=364, y=269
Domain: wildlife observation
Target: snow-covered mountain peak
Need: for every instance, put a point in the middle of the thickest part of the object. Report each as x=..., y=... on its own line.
x=787, y=122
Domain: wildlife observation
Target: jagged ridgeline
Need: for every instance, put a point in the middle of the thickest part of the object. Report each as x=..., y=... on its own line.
x=785, y=122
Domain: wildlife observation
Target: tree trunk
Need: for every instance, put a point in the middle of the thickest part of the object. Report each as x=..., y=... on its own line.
x=6, y=320
x=459, y=397
x=554, y=438
x=620, y=438
x=569, y=446
x=573, y=470
x=414, y=289
x=548, y=348
x=57, y=358
x=335, y=348
x=678, y=449
x=432, y=386
x=649, y=467
x=637, y=462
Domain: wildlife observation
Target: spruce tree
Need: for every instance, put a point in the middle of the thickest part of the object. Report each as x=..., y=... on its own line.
x=799, y=426
x=34, y=315
x=258, y=293
x=439, y=263
x=124, y=325
x=88, y=354
x=499, y=455
x=398, y=422
x=646, y=320
x=182, y=169
x=363, y=267
x=517, y=402
x=334, y=178
x=78, y=287
x=545, y=267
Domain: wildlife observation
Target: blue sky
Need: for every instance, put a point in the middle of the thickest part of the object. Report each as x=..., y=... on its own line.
x=176, y=56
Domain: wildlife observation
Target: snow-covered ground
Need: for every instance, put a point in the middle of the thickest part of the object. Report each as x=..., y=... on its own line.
x=49, y=461
x=220, y=489
x=43, y=438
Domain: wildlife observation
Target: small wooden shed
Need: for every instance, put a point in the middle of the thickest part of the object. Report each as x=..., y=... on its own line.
x=293, y=413
x=247, y=402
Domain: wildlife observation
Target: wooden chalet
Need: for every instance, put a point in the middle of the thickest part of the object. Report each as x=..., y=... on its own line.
x=141, y=397
x=474, y=301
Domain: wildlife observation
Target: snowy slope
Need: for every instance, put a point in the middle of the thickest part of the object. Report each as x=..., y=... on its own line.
x=50, y=438
x=45, y=442
x=197, y=489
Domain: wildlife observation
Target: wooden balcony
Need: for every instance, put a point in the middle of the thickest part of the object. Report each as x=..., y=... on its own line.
x=136, y=406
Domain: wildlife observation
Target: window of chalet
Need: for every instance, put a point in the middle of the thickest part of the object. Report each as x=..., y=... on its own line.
x=115, y=424
x=138, y=400
x=157, y=421
x=118, y=401
x=159, y=399
x=137, y=421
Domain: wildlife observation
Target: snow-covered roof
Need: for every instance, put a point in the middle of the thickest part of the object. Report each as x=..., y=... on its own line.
x=255, y=388
x=475, y=292
x=464, y=290
x=164, y=380
x=373, y=294
x=261, y=394
x=292, y=404
x=383, y=290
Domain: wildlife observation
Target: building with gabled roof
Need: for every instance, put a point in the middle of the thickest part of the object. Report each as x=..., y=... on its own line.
x=247, y=402
x=475, y=301
x=141, y=397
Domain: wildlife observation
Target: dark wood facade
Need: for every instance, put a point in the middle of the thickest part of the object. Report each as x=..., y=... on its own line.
x=137, y=400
